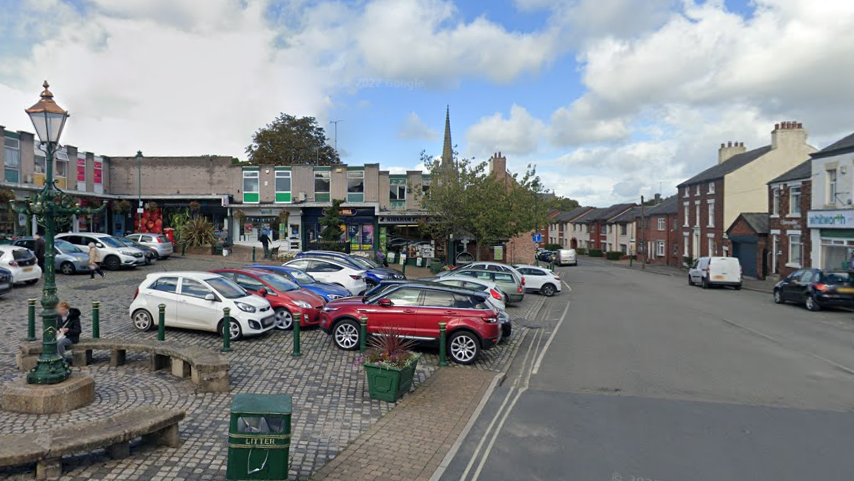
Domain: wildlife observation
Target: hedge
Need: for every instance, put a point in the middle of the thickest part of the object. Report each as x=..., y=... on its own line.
x=595, y=253
x=581, y=251
x=552, y=247
x=614, y=255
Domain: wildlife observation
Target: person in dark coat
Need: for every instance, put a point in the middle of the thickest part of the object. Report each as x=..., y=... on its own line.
x=39, y=250
x=68, y=327
x=265, y=241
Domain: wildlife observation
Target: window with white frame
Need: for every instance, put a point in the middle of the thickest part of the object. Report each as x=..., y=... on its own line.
x=61, y=163
x=40, y=158
x=711, y=247
x=711, y=187
x=662, y=224
x=355, y=186
x=711, y=214
x=775, y=201
x=283, y=185
x=831, y=186
x=697, y=190
x=686, y=192
x=659, y=248
x=251, y=192
x=398, y=192
x=795, y=250
x=795, y=200
x=12, y=160
x=687, y=213
x=697, y=213
x=321, y=185
x=685, y=245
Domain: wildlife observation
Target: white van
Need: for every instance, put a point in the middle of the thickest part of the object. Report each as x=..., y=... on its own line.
x=715, y=271
x=567, y=257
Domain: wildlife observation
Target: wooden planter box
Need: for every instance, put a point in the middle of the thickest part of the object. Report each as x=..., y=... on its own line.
x=390, y=384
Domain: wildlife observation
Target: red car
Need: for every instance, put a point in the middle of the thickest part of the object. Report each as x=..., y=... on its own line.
x=285, y=296
x=416, y=310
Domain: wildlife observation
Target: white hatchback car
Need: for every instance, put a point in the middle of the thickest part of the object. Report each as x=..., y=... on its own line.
x=539, y=279
x=327, y=269
x=21, y=262
x=195, y=300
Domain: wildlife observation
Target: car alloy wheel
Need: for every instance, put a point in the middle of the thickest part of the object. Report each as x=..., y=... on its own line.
x=66, y=268
x=284, y=319
x=142, y=320
x=548, y=290
x=778, y=297
x=112, y=263
x=234, y=330
x=346, y=335
x=464, y=348
x=811, y=303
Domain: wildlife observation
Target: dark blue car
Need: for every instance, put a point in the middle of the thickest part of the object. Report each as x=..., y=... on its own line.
x=5, y=281
x=323, y=289
x=374, y=273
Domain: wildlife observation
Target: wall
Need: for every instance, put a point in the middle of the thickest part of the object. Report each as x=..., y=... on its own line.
x=785, y=224
x=720, y=225
x=178, y=175
x=302, y=180
x=742, y=228
x=372, y=182
x=338, y=181
x=414, y=180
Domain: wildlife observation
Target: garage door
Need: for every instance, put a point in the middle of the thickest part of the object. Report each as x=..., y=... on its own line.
x=746, y=252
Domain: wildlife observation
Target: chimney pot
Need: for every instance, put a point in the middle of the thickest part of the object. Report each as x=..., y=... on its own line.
x=800, y=125
x=723, y=144
x=776, y=126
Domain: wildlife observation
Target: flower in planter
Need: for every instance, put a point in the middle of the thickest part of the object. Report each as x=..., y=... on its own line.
x=390, y=349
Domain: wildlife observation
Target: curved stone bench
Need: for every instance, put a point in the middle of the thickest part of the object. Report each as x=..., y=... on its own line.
x=207, y=369
x=154, y=425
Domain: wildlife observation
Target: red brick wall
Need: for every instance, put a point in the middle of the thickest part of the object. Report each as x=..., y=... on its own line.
x=742, y=228
x=785, y=223
x=718, y=229
x=670, y=235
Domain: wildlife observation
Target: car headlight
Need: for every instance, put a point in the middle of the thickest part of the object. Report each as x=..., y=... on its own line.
x=329, y=309
x=128, y=253
x=303, y=304
x=244, y=307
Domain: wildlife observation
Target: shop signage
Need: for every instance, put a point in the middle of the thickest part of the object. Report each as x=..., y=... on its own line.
x=830, y=219
x=791, y=223
x=399, y=219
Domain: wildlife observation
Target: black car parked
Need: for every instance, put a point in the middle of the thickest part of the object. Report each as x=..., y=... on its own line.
x=816, y=289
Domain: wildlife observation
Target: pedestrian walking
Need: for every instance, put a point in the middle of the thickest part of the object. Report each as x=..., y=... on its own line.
x=68, y=332
x=39, y=251
x=381, y=258
x=94, y=261
x=265, y=242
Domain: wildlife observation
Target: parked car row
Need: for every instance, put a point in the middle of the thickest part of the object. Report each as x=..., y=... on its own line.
x=816, y=289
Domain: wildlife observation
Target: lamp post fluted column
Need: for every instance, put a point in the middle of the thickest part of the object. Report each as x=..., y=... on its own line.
x=47, y=206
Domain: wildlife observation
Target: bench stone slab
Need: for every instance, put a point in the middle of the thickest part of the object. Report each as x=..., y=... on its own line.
x=76, y=391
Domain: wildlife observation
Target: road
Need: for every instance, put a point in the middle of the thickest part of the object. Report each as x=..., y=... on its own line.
x=634, y=376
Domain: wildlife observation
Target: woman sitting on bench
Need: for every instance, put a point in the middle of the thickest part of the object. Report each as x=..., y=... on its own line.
x=68, y=331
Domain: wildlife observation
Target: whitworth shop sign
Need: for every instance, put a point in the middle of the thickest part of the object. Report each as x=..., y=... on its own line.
x=831, y=219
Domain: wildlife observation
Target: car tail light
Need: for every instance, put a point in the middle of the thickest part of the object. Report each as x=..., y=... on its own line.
x=523, y=281
x=355, y=277
x=495, y=294
x=159, y=240
x=490, y=320
x=135, y=293
x=519, y=289
x=822, y=287
x=557, y=278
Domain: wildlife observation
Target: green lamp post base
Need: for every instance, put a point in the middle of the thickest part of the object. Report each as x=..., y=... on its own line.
x=49, y=371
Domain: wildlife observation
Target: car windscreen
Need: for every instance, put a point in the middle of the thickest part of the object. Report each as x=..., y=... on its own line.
x=838, y=278
x=66, y=247
x=302, y=277
x=227, y=288
x=278, y=282
x=364, y=263
x=125, y=241
x=110, y=241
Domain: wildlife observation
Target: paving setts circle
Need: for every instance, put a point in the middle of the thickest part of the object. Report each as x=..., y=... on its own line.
x=330, y=399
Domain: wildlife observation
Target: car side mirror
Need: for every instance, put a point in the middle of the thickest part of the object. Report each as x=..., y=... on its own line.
x=210, y=297
x=385, y=302
x=99, y=245
x=262, y=292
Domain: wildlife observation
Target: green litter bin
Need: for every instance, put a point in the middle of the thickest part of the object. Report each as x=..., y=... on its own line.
x=259, y=437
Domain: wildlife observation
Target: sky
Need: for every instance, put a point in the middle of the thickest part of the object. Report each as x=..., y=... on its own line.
x=609, y=99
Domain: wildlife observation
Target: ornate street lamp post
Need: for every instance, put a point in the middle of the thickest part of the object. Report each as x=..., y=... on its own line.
x=49, y=205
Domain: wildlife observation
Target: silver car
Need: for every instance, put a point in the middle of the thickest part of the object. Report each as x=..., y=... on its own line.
x=158, y=242
x=69, y=258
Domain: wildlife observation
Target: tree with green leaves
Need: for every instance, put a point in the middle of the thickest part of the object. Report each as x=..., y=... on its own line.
x=289, y=140
x=331, y=223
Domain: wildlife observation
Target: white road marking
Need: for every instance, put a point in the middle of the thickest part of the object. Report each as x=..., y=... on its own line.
x=549, y=342
x=567, y=286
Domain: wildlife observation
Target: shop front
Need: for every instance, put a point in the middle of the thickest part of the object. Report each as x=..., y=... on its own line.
x=360, y=227
x=832, y=235
x=282, y=226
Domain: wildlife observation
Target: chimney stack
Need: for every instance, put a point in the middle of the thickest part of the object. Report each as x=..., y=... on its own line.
x=730, y=149
x=498, y=165
x=788, y=134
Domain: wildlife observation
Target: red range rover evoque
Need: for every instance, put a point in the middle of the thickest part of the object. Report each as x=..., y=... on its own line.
x=416, y=310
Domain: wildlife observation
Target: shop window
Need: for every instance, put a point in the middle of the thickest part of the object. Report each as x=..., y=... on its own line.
x=321, y=185
x=283, y=186
x=355, y=186
x=13, y=160
x=251, y=193
x=795, y=250
x=795, y=200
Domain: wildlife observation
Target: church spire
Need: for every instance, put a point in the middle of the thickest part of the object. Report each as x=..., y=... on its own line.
x=447, y=149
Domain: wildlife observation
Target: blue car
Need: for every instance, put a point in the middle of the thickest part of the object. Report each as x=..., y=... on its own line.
x=323, y=289
x=374, y=273
x=5, y=281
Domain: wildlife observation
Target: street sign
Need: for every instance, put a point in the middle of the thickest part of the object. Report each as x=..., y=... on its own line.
x=537, y=237
x=139, y=210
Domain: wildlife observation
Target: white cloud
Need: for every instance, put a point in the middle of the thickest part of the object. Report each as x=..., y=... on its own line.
x=581, y=123
x=413, y=127
x=518, y=134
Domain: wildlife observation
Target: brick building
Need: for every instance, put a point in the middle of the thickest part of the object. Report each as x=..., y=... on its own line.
x=622, y=231
x=661, y=233
x=751, y=229
x=711, y=201
x=572, y=235
x=594, y=224
x=789, y=197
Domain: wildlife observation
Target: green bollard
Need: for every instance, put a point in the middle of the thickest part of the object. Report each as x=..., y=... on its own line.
x=226, y=329
x=161, y=323
x=363, y=334
x=96, y=319
x=183, y=248
x=443, y=349
x=31, y=319
x=253, y=253
x=297, y=316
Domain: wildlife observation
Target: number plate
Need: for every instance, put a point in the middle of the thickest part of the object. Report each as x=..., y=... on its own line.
x=846, y=290
x=28, y=269
x=719, y=278
x=4, y=287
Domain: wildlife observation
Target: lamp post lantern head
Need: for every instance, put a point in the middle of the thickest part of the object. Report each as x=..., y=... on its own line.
x=48, y=118
x=138, y=155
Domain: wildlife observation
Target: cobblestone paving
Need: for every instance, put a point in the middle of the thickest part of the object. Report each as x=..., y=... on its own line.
x=331, y=404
